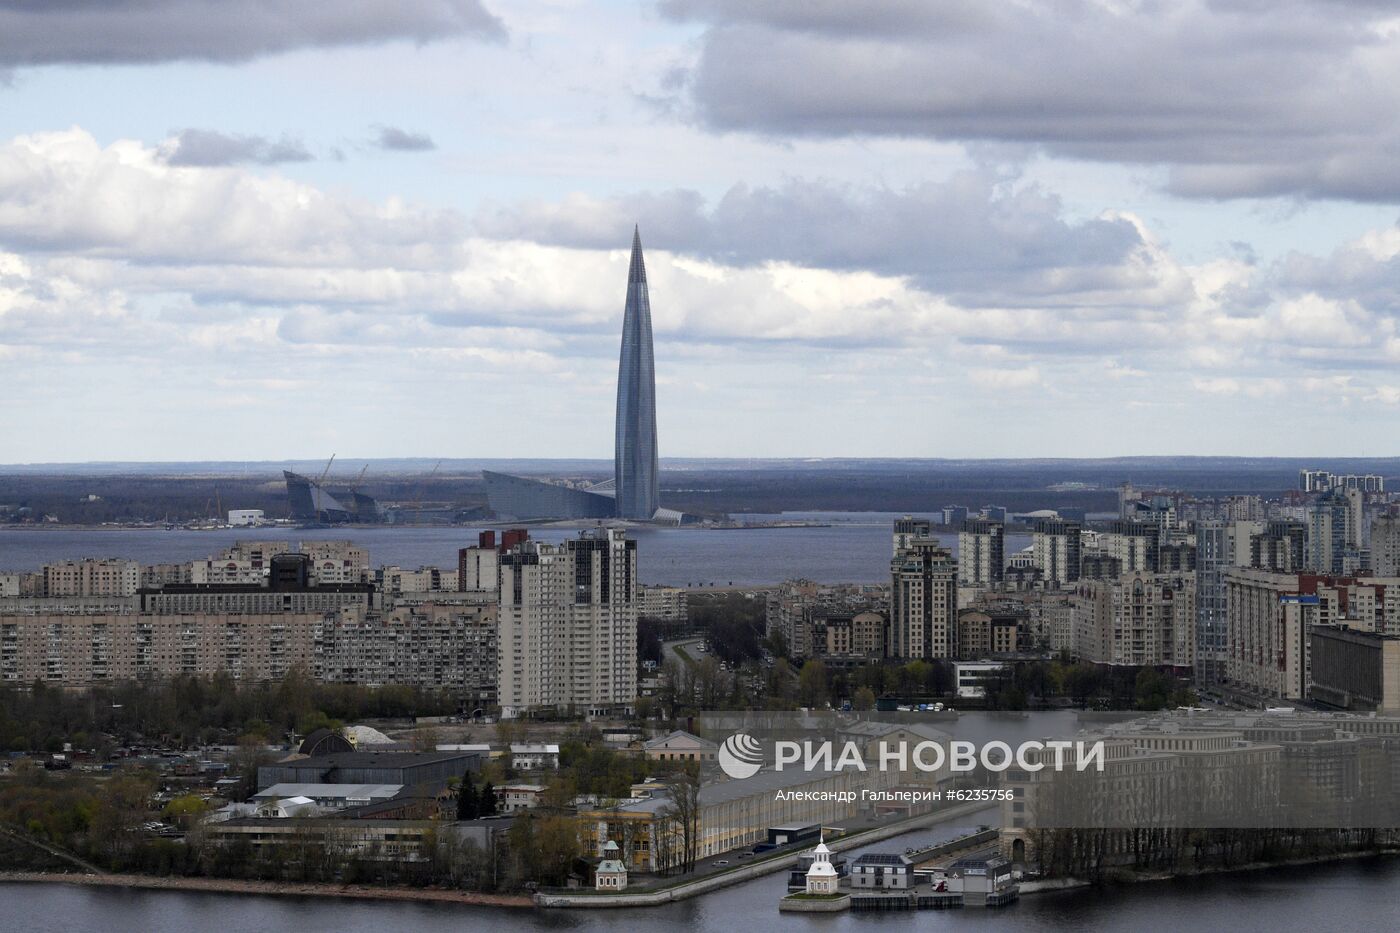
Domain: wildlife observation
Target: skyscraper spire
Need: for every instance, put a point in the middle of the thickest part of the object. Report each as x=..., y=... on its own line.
x=635, y=463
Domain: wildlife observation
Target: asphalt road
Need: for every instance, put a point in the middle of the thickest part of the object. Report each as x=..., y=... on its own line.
x=686, y=655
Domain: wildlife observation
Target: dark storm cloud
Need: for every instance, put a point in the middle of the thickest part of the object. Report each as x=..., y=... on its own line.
x=974, y=236
x=1238, y=97
x=43, y=32
x=210, y=148
x=396, y=140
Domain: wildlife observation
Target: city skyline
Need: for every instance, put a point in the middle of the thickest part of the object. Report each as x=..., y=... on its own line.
x=231, y=216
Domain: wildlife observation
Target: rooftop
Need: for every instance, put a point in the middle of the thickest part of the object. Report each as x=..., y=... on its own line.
x=882, y=858
x=321, y=791
x=679, y=739
x=388, y=759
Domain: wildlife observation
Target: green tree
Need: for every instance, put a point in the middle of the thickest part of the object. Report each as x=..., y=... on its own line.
x=1153, y=689
x=468, y=804
x=316, y=719
x=542, y=849
x=812, y=685
x=185, y=810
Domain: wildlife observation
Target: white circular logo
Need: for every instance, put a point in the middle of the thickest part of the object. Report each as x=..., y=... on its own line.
x=740, y=756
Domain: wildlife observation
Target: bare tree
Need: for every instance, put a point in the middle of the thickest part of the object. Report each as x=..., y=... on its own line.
x=683, y=809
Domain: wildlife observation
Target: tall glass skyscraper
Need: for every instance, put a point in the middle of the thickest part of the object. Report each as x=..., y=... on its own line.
x=635, y=466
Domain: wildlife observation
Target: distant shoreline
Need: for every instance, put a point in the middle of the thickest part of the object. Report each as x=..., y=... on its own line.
x=270, y=888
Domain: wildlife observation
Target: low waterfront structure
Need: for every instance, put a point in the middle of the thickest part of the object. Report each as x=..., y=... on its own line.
x=680, y=746
x=821, y=876
x=983, y=881
x=883, y=870
x=732, y=813
x=611, y=873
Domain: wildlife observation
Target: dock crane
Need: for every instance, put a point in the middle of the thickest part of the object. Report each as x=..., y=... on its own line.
x=418, y=505
x=319, y=481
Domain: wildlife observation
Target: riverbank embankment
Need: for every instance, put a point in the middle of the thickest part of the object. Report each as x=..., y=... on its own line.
x=273, y=888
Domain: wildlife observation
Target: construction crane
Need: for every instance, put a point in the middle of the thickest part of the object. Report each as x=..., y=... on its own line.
x=319, y=481
x=418, y=506
x=358, y=480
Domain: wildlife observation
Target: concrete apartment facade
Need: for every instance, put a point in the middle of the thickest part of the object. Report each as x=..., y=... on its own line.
x=568, y=625
x=80, y=650
x=923, y=602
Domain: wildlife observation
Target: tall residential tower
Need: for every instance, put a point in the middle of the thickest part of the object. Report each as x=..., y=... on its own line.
x=632, y=493
x=635, y=465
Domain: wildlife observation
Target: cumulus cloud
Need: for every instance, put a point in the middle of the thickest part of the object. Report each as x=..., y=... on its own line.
x=1005, y=379
x=64, y=192
x=209, y=147
x=112, y=251
x=976, y=237
x=44, y=32
x=1237, y=97
x=393, y=139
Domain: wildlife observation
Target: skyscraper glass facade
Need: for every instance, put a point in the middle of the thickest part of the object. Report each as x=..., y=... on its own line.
x=635, y=458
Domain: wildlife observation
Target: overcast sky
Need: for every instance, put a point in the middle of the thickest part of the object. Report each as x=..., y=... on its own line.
x=248, y=229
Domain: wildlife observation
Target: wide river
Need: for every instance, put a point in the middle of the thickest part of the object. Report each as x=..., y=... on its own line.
x=1362, y=894
x=853, y=547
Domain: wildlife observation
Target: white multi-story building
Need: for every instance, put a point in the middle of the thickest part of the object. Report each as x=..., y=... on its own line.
x=568, y=625
x=981, y=553
x=1385, y=545
x=478, y=568
x=92, y=577
x=396, y=581
x=1139, y=618
x=1268, y=621
x=1056, y=547
x=224, y=570
x=1331, y=523
x=337, y=561
x=667, y=603
x=1134, y=552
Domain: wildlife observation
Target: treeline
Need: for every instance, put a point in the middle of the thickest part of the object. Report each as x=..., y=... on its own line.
x=100, y=821
x=1035, y=684
x=191, y=710
x=1024, y=685
x=915, y=488
x=733, y=624
x=180, y=499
